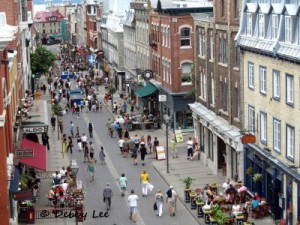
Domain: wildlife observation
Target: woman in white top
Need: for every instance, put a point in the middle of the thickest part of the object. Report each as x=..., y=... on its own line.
x=236, y=209
x=159, y=200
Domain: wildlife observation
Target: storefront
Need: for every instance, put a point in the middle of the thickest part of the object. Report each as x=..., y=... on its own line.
x=279, y=183
x=219, y=142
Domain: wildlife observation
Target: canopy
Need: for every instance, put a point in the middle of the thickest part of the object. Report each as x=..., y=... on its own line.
x=39, y=159
x=55, y=36
x=146, y=90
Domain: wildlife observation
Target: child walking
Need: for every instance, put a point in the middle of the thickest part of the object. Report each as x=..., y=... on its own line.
x=102, y=156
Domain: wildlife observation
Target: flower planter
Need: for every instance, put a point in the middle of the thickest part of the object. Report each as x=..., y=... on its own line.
x=187, y=196
x=193, y=196
x=199, y=205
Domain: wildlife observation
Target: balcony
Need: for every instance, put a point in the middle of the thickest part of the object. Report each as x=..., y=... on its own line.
x=152, y=41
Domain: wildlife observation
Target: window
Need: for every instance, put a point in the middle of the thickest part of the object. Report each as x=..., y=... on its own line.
x=223, y=50
x=202, y=42
x=274, y=26
x=163, y=35
x=263, y=80
x=236, y=9
x=204, y=86
x=185, y=36
x=186, y=73
x=237, y=58
x=289, y=89
x=222, y=8
x=263, y=128
x=277, y=135
x=225, y=96
x=237, y=103
x=213, y=101
x=288, y=29
x=290, y=142
x=251, y=119
x=250, y=75
x=249, y=24
x=276, y=84
x=167, y=37
x=261, y=25
x=24, y=13
x=212, y=48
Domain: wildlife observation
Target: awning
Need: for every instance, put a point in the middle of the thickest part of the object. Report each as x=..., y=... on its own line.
x=14, y=184
x=39, y=160
x=146, y=91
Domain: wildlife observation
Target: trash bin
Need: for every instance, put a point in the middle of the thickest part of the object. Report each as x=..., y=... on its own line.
x=22, y=213
x=31, y=215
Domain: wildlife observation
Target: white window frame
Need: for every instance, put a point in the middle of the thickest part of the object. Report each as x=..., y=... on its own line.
x=223, y=51
x=276, y=84
x=277, y=135
x=275, y=22
x=202, y=43
x=250, y=75
x=290, y=142
x=212, y=48
x=213, y=100
x=263, y=80
x=289, y=89
x=249, y=24
x=183, y=38
x=251, y=119
x=204, y=86
x=288, y=29
x=263, y=128
x=190, y=75
x=261, y=25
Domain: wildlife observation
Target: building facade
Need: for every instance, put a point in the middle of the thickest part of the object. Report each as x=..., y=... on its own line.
x=81, y=25
x=91, y=24
x=171, y=32
x=217, y=110
x=269, y=42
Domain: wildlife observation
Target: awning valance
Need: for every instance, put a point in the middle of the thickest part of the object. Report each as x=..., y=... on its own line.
x=14, y=184
x=39, y=159
x=146, y=90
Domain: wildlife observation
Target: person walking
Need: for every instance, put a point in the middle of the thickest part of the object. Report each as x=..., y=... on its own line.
x=171, y=200
x=64, y=143
x=70, y=145
x=86, y=154
x=143, y=152
x=79, y=143
x=53, y=122
x=91, y=128
x=190, y=150
x=121, y=145
x=144, y=181
x=123, y=184
x=102, y=156
x=155, y=144
x=45, y=140
x=174, y=148
x=72, y=129
x=91, y=170
x=61, y=126
x=107, y=195
x=91, y=151
x=137, y=141
x=77, y=131
x=149, y=143
x=133, y=199
x=84, y=140
x=159, y=201
x=134, y=155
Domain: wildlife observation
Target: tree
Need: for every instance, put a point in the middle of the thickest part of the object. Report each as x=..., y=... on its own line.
x=41, y=60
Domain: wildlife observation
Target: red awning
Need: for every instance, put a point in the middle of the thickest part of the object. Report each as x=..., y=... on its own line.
x=39, y=160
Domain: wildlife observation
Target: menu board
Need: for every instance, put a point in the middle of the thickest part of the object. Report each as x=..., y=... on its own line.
x=161, y=155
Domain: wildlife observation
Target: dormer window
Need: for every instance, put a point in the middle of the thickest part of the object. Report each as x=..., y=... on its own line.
x=261, y=25
x=249, y=24
x=274, y=26
x=288, y=29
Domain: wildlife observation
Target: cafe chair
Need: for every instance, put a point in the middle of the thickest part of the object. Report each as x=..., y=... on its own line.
x=256, y=213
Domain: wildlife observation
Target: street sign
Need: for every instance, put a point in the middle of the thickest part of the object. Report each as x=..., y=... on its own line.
x=24, y=153
x=162, y=98
x=92, y=59
x=35, y=130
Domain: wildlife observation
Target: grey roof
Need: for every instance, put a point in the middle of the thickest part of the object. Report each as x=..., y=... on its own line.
x=261, y=44
x=252, y=7
x=289, y=51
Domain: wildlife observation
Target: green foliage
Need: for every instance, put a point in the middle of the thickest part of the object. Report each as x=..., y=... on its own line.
x=250, y=171
x=56, y=109
x=41, y=60
x=188, y=182
x=257, y=177
x=190, y=93
x=218, y=215
x=23, y=180
x=112, y=90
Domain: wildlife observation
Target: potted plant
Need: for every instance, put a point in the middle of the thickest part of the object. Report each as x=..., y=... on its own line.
x=250, y=171
x=187, y=181
x=257, y=177
x=219, y=216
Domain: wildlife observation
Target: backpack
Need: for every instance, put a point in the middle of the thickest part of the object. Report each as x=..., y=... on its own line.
x=169, y=193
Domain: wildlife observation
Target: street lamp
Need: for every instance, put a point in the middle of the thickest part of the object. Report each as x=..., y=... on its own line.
x=74, y=168
x=167, y=121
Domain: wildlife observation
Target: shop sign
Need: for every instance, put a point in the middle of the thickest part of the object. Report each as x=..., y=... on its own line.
x=35, y=130
x=248, y=139
x=162, y=98
x=24, y=153
x=22, y=195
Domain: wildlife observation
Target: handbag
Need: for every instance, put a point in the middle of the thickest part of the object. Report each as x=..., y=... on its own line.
x=155, y=206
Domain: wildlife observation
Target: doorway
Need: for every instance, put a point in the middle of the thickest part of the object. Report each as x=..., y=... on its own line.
x=221, y=154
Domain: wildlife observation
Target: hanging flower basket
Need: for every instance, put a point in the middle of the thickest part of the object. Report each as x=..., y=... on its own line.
x=75, y=197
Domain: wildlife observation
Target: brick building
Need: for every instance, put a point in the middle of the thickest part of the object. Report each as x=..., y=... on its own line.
x=171, y=31
x=91, y=24
x=217, y=109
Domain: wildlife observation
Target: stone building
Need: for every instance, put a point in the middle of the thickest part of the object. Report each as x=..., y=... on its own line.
x=217, y=113
x=269, y=42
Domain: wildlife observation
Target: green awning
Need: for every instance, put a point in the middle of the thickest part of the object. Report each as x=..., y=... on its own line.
x=55, y=35
x=146, y=90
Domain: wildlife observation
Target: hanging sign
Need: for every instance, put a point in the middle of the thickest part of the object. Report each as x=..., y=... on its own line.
x=248, y=139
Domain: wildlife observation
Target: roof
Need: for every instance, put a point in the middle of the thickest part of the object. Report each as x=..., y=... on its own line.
x=146, y=90
x=44, y=17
